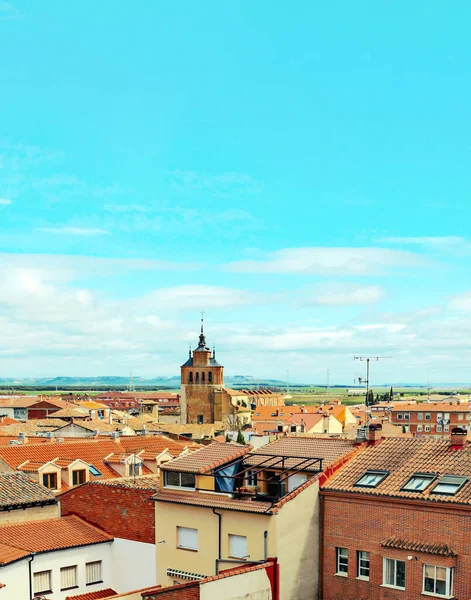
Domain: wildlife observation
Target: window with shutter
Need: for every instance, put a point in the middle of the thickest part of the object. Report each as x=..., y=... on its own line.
x=237, y=546
x=93, y=572
x=187, y=538
x=42, y=582
x=68, y=577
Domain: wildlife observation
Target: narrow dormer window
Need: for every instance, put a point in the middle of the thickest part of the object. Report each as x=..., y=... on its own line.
x=371, y=479
x=197, y=378
x=190, y=378
x=210, y=377
x=202, y=377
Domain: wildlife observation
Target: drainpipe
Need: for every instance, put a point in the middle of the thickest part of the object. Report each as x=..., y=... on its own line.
x=321, y=546
x=30, y=575
x=265, y=545
x=219, y=539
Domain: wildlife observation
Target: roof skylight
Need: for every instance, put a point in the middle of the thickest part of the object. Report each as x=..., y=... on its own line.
x=94, y=471
x=371, y=479
x=419, y=482
x=449, y=484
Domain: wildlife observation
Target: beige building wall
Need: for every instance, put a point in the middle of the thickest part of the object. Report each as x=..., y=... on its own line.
x=203, y=562
x=35, y=513
x=254, y=585
x=297, y=528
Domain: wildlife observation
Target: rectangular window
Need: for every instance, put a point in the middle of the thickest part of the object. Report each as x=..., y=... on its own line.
x=418, y=482
x=438, y=580
x=50, y=480
x=371, y=478
x=42, y=582
x=439, y=416
x=175, y=479
x=251, y=477
x=394, y=573
x=439, y=428
x=427, y=416
x=427, y=428
x=399, y=416
x=420, y=416
x=363, y=564
x=460, y=416
x=419, y=427
x=68, y=577
x=406, y=416
x=446, y=428
x=447, y=416
x=93, y=572
x=237, y=546
x=187, y=538
x=78, y=477
x=342, y=561
x=449, y=485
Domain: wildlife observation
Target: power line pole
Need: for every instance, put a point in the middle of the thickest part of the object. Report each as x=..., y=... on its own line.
x=367, y=359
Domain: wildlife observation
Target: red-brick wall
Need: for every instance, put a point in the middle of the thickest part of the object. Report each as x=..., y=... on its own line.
x=362, y=524
x=122, y=512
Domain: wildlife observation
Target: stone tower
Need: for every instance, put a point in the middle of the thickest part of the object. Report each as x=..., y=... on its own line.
x=201, y=377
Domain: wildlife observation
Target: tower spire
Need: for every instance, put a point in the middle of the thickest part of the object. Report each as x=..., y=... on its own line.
x=202, y=342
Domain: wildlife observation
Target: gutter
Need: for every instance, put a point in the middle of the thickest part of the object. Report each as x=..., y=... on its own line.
x=219, y=515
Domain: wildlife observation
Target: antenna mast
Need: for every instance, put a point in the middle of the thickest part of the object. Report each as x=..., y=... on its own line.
x=367, y=359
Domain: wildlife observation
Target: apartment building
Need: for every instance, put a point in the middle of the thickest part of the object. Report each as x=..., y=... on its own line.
x=396, y=521
x=431, y=419
x=223, y=506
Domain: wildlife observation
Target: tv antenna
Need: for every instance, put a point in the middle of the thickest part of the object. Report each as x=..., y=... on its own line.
x=368, y=359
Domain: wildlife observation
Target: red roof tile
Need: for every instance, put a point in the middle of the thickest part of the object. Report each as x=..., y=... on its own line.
x=98, y=595
x=9, y=554
x=51, y=534
x=429, y=548
x=206, y=459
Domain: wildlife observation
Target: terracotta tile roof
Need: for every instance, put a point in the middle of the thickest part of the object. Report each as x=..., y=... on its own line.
x=431, y=407
x=9, y=554
x=157, y=444
x=98, y=595
x=207, y=458
x=51, y=534
x=309, y=421
x=91, y=404
x=81, y=413
x=329, y=449
x=402, y=458
x=212, y=501
x=32, y=466
x=7, y=421
x=142, y=482
x=206, y=430
x=429, y=548
x=16, y=489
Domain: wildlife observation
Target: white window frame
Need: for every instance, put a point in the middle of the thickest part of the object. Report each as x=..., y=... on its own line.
x=363, y=564
x=390, y=585
x=68, y=577
x=428, y=417
x=449, y=581
x=420, y=416
x=37, y=577
x=238, y=546
x=187, y=538
x=439, y=428
x=446, y=428
x=460, y=417
x=419, y=427
x=399, y=416
x=427, y=428
x=341, y=559
x=94, y=572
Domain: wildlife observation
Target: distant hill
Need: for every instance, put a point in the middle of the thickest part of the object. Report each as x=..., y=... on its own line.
x=112, y=382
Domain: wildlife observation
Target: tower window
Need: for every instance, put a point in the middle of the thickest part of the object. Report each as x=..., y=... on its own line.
x=197, y=378
x=210, y=377
x=190, y=379
x=202, y=377
x=199, y=419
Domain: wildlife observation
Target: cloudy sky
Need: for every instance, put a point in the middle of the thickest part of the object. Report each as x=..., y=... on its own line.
x=299, y=173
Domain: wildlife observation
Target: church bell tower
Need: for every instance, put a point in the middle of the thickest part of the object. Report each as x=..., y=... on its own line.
x=201, y=377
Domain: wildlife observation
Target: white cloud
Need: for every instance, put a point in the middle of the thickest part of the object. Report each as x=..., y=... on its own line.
x=5, y=202
x=389, y=327
x=331, y=261
x=197, y=297
x=343, y=294
x=461, y=302
x=220, y=183
x=75, y=231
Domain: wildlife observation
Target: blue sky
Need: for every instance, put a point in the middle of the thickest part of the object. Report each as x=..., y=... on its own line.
x=300, y=173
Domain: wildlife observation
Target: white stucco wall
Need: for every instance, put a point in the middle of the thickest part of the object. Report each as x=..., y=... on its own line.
x=134, y=565
x=16, y=576
x=254, y=585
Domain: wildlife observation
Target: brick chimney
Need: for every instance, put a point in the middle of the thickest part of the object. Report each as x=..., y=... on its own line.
x=458, y=437
x=374, y=433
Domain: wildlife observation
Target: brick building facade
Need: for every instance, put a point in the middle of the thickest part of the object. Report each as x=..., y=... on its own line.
x=396, y=523
x=432, y=419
